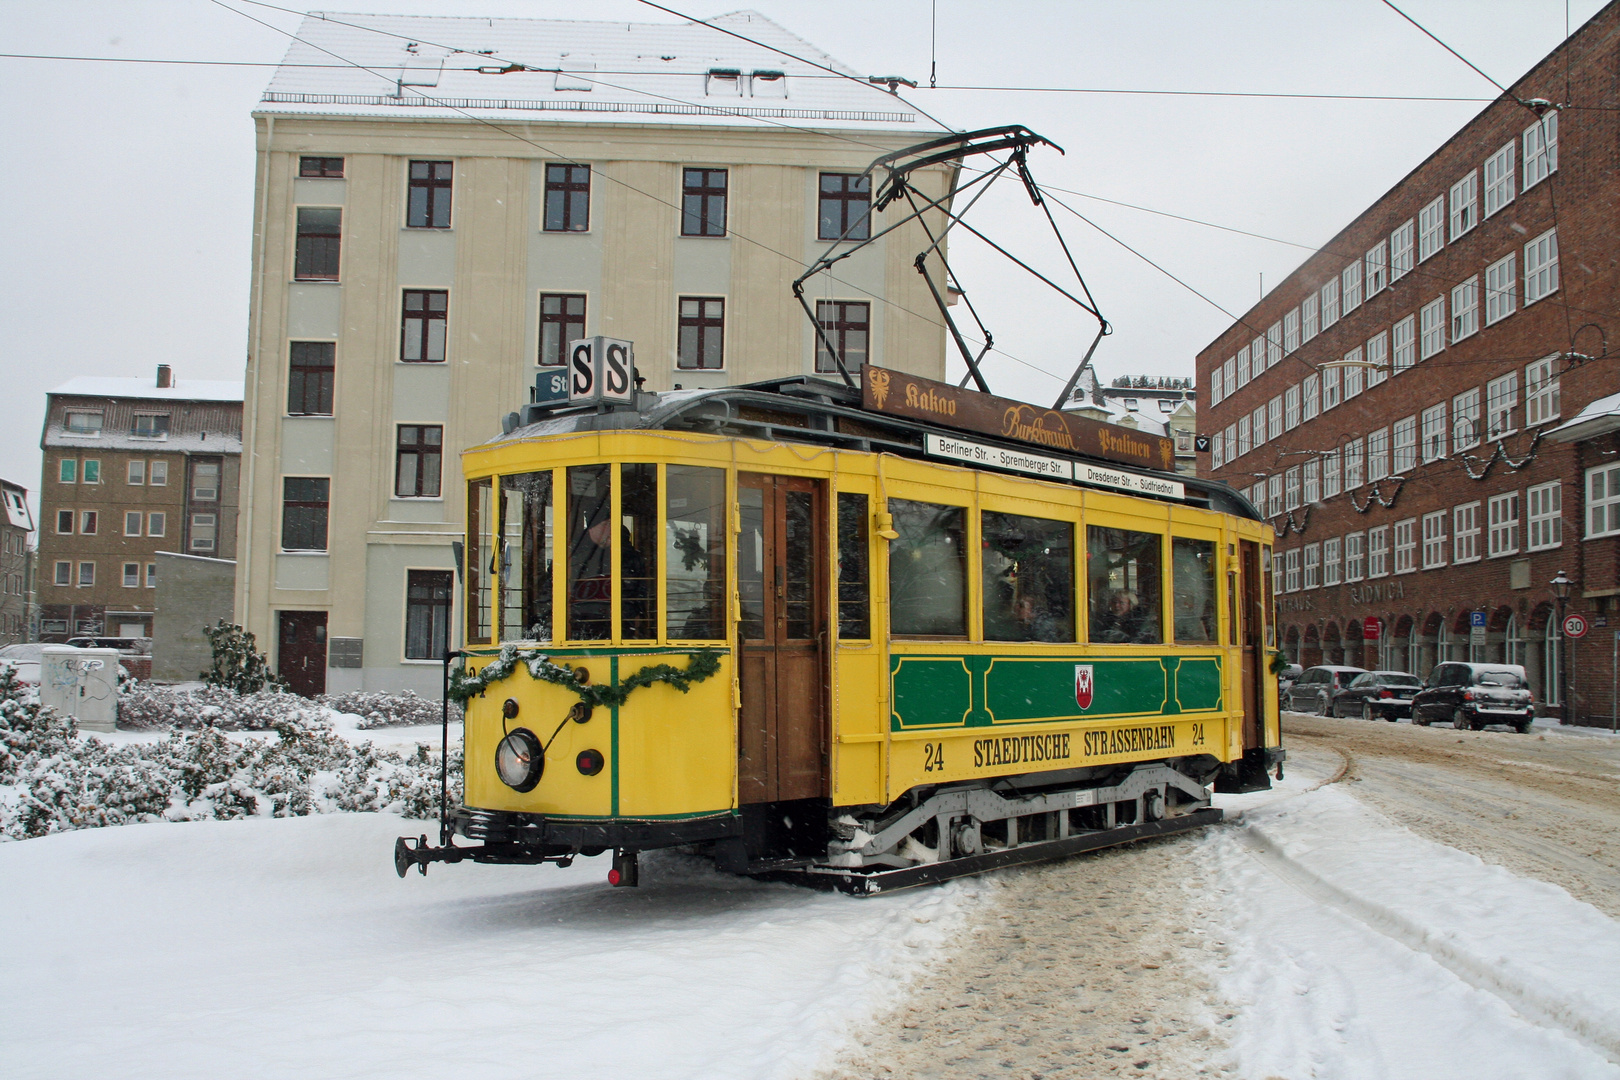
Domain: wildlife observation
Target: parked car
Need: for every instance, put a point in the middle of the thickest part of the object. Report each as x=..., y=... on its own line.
x=1314, y=690
x=1286, y=678
x=129, y=646
x=24, y=658
x=1377, y=695
x=1474, y=695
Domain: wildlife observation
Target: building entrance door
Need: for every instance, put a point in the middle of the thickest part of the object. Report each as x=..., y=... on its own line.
x=301, y=651
x=781, y=736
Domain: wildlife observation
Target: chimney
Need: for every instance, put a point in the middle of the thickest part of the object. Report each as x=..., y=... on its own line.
x=165, y=377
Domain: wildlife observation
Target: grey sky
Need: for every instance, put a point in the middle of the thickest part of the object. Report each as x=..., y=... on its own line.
x=126, y=203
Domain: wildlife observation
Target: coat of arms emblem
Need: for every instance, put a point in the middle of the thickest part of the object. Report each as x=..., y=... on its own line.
x=1082, y=686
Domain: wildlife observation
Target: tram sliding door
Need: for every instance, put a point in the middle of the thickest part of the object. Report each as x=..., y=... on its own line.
x=782, y=651
x=1252, y=633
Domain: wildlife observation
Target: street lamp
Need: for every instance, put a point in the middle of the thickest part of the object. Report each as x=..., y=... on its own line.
x=1560, y=587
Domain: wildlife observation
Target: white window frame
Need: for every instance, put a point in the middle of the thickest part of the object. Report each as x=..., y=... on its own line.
x=1311, y=393
x=1432, y=228
x=1245, y=435
x=1355, y=376
x=1544, y=516
x=1377, y=455
x=1217, y=451
x=1405, y=445
x=1501, y=398
x=1274, y=495
x=1217, y=386
x=1499, y=175
x=1501, y=288
x=1350, y=287
x=1502, y=521
x=1332, y=564
x=1406, y=546
x=1310, y=318
x=1291, y=570
x=1434, y=433
x=1330, y=388
x=1229, y=375
x=1465, y=529
x=1541, y=267
x=1242, y=365
x=1541, y=391
x=1259, y=417
x=1400, y=252
x=1231, y=441
x=1377, y=356
x=1540, y=150
x=1464, y=205
x=1291, y=408
x=1311, y=491
x=1274, y=418
x=135, y=517
x=1313, y=566
x=132, y=580
x=156, y=523
x=1354, y=477
x=1432, y=328
x=1403, y=339
x=1355, y=557
x=1290, y=325
x=1465, y=420
x=1332, y=477
x=1330, y=302
x=1603, y=501
x=1274, y=349
x=1376, y=274
x=1378, y=552
x=1434, y=540
x=1465, y=309
x=1291, y=488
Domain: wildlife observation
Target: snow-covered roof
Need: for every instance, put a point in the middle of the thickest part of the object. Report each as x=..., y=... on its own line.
x=1599, y=418
x=15, y=498
x=416, y=66
x=111, y=386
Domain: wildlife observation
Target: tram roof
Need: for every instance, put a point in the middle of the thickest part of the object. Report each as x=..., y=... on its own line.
x=803, y=409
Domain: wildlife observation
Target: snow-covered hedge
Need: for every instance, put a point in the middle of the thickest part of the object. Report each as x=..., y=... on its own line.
x=145, y=707
x=389, y=710
x=52, y=780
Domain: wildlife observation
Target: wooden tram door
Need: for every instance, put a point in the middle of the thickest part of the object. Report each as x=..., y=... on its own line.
x=1252, y=639
x=782, y=648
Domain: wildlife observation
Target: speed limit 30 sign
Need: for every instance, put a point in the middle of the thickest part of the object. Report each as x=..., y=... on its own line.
x=1574, y=626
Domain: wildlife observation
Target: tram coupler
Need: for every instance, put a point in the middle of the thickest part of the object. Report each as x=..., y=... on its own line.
x=626, y=872
x=407, y=855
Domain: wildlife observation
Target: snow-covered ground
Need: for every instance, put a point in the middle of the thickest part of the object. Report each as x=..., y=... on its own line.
x=288, y=948
x=1360, y=951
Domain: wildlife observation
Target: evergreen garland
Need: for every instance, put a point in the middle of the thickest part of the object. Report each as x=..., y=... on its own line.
x=701, y=665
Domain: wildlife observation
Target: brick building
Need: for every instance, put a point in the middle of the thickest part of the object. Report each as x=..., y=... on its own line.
x=16, y=563
x=1423, y=409
x=132, y=467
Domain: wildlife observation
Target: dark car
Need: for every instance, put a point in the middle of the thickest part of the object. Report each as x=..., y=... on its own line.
x=1286, y=678
x=1473, y=695
x=1313, y=691
x=1377, y=695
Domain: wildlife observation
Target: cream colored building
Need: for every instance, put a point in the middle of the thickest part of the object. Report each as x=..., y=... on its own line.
x=430, y=223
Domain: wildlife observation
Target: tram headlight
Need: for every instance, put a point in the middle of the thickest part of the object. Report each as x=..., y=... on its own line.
x=520, y=760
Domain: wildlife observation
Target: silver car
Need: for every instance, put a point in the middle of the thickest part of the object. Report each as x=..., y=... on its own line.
x=1313, y=691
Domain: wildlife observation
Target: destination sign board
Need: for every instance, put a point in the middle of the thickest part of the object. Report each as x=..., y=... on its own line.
x=917, y=398
x=1051, y=468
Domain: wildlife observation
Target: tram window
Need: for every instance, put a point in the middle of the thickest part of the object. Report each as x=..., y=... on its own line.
x=478, y=569
x=525, y=557
x=928, y=570
x=751, y=561
x=854, y=567
x=638, y=552
x=1192, y=564
x=1124, y=579
x=695, y=551
x=590, y=555
x=1028, y=578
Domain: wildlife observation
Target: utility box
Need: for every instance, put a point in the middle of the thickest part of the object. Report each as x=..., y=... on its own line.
x=82, y=683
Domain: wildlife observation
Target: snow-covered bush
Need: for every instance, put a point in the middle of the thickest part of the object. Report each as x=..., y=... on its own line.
x=159, y=708
x=389, y=710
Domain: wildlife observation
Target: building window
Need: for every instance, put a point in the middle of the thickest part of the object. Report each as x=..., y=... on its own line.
x=205, y=481
x=68, y=471
x=84, y=423
x=1434, y=540
x=310, y=377
x=1501, y=288
x=1313, y=481
x=1546, y=523
x=1229, y=370
x=1291, y=570
x=326, y=167
x=1291, y=408
x=1274, y=418
x=1231, y=441
x=64, y=574
x=159, y=474
x=1274, y=344
x=1433, y=322
x=1602, y=501
x=1217, y=452
x=1313, y=566
x=1403, y=335
x=1245, y=442
x=204, y=532
x=562, y=320
x=1377, y=358
x=1465, y=533
x=1406, y=546
x=1291, y=487
x=1291, y=331
x=1378, y=452
x=847, y=324
x=1330, y=303
x=1353, y=465
x=702, y=334
x=1465, y=309
x=1464, y=204
x=132, y=522
x=1540, y=149
x=1355, y=375
x=1503, y=511
x=1217, y=385
x=151, y=575
x=1400, y=252
x=1376, y=265
x=1378, y=552
x=1274, y=496
x=136, y=473
x=64, y=522
x=156, y=523
x=1310, y=317
x=87, y=575
x=846, y=207
x=150, y=426
x=304, y=501
x=1541, y=267
x=424, y=322
x=418, y=458
x=568, y=198
x=92, y=471
x=703, y=202
x=1355, y=557
x=1259, y=418
x=1541, y=391
x=132, y=575
x=1350, y=286
x=1242, y=360
x=427, y=614
x=1501, y=397
x=89, y=521
x=1330, y=388
x=320, y=237
x=428, y=205
x=1431, y=228
x=1465, y=420
x=1499, y=179
x=1434, y=432
x=1332, y=567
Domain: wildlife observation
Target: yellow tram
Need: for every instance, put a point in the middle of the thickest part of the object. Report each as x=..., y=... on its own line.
x=853, y=636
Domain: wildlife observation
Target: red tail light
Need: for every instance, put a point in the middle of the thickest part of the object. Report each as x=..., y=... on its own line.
x=1386, y=693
